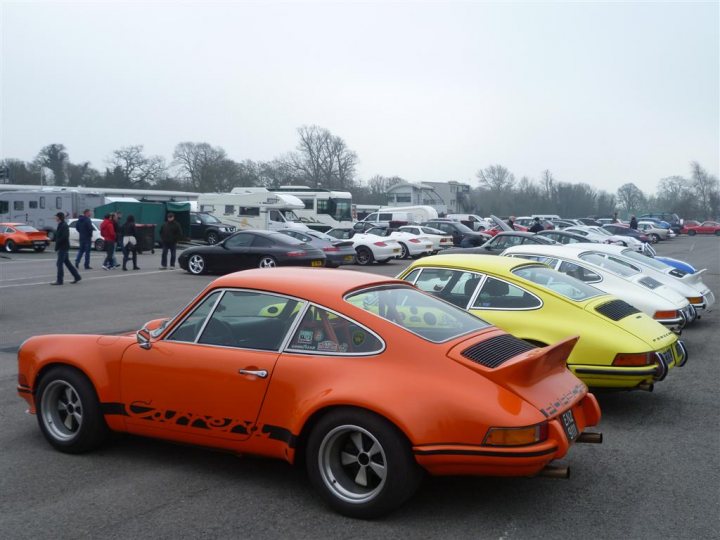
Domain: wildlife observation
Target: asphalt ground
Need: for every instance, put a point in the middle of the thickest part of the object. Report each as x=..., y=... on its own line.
x=657, y=474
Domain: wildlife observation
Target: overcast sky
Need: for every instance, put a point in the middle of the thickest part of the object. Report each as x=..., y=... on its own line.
x=600, y=93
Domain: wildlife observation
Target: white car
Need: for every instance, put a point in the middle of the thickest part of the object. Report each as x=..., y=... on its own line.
x=410, y=244
x=603, y=236
x=439, y=239
x=583, y=262
x=689, y=285
x=368, y=247
x=654, y=232
x=98, y=243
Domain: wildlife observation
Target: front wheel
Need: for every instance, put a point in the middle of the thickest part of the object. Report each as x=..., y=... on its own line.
x=212, y=238
x=267, y=261
x=196, y=264
x=654, y=238
x=100, y=244
x=692, y=233
x=10, y=246
x=364, y=256
x=69, y=411
x=361, y=464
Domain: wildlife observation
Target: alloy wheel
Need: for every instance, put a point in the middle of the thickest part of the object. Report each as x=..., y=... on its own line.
x=267, y=262
x=196, y=264
x=62, y=410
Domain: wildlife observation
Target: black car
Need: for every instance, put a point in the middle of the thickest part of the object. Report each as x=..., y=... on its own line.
x=336, y=251
x=624, y=230
x=205, y=226
x=250, y=249
x=463, y=235
x=564, y=237
x=501, y=241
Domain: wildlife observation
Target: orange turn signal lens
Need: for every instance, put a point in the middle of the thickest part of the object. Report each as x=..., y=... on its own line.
x=666, y=315
x=695, y=299
x=641, y=359
x=516, y=436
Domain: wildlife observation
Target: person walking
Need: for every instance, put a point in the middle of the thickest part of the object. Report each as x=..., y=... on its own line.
x=129, y=243
x=62, y=247
x=107, y=231
x=170, y=235
x=85, y=230
x=511, y=222
x=119, y=244
x=536, y=227
x=633, y=222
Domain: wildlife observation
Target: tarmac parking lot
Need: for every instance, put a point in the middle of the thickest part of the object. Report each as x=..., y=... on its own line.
x=657, y=474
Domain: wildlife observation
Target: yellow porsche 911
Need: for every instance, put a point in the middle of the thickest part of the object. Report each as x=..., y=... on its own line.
x=619, y=346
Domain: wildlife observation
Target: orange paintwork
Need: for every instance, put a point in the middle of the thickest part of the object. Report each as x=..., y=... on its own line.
x=442, y=402
x=20, y=238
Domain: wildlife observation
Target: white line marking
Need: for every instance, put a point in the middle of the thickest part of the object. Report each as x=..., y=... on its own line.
x=90, y=279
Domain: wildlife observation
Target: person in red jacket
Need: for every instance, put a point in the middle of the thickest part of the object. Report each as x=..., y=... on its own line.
x=107, y=231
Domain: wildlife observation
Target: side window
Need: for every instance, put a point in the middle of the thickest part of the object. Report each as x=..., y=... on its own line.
x=42, y=202
x=58, y=203
x=229, y=209
x=4, y=207
x=372, y=217
x=18, y=205
x=579, y=272
x=454, y=286
x=496, y=294
x=189, y=329
x=33, y=204
x=261, y=241
x=250, y=320
x=386, y=217
x=275, y=216
x=248, y=211
x=322, y=331
x=239, y=240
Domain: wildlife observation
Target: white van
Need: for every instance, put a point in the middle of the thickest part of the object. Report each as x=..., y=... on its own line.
x=399, y=215
x=475, y=222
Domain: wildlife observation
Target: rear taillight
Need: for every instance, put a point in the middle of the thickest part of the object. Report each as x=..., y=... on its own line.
x=633, y=359
x=661, y=315
x=414, y=240
x=330, y=249
x=381, y=244
x=298, y=253
x=516, y=436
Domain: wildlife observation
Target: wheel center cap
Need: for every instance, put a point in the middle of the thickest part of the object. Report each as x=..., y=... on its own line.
x=363, y=459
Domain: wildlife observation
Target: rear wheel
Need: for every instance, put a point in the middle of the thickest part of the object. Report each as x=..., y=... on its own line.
x=692, y=233
x=100, y=244
x=10, y=246
x=404, y=252
x=654, y=238
x=266, y=261
x=364, y=256
x=39, y=249
x=69, y=411
x=212, y=238
x=196, y=264
x=717, y=233
x=384, y=261
x=361, y=464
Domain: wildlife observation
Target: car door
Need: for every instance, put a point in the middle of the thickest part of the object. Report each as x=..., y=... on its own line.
x=197, y=229
x=205, y=380
x=234, y=253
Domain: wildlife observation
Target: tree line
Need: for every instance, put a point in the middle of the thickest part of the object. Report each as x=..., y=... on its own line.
x=324, y=160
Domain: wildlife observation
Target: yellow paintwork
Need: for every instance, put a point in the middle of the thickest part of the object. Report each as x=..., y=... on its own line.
x=601, y=338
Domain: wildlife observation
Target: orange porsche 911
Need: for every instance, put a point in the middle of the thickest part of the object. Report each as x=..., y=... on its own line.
x=15, y=236
x=369, y=380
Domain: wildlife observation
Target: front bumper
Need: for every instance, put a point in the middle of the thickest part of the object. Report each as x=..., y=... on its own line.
x=480, y=460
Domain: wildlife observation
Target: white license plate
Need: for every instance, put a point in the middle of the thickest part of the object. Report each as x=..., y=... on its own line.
x=348, y=258
x=568, y=422
x=396, y=250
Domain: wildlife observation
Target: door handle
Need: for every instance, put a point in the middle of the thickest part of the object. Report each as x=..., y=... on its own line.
x=254, y=372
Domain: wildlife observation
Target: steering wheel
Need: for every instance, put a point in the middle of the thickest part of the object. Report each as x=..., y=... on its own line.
x=218, y=332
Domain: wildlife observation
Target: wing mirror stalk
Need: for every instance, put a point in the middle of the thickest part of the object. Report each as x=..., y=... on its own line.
x=143, y=339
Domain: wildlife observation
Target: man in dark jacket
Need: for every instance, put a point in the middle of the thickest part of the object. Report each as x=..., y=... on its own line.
x=85, y=230
x=536, y=227
x=62, y=247
x=170, y=234
x=633, y=223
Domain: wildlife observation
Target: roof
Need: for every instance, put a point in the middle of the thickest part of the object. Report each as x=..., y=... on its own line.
x=315, y=284
x=488, y=263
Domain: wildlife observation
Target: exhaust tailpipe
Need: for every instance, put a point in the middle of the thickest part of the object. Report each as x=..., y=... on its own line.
x=645, y=386
x=586, y=437
x=553, y=471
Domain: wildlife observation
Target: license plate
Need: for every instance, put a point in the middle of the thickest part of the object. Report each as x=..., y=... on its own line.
x=348, y=258
x=396, y=250
x=39, y=243
x=316, y=263
x=568, y=422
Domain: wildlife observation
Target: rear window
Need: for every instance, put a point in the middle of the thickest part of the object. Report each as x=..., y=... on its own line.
x=26, y=228
x=419, y=313
x=644, y=259
x=609, y=265
x=563, y=284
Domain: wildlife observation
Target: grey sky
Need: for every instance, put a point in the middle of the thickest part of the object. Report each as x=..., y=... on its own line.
x=600, y=93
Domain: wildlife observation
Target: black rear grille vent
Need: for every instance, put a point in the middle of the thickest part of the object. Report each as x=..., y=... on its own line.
x=650, y=283
x=616, y=310
x=496, y=351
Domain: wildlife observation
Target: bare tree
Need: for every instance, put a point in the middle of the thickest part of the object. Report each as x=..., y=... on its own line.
x=630, y=197
x=323, y=159
x=496, y=178
x=548, y=183
x=206, y=167
x=705, y=186
x=136, y=169
x=55, y=158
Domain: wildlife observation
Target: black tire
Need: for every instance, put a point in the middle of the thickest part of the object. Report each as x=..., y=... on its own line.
x=654, y=238
x=39, y=249
x=404, y=251
x=99, y=244
x=267, y=261
x=717, y=233
x=78, y=428
x=692, y=232
x=197, y=264
x=390, y=474
x=10, y=246
x=364, y=256
x=212, y=238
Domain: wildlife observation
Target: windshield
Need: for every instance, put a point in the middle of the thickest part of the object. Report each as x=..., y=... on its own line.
x=419, y=313
x=26, y=228
x=569, y=287
x=431, y=230
x=290, y=215
x=609, y=265
x=644, y=259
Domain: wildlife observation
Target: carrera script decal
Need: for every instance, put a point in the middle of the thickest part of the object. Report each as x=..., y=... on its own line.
x=563, y=401
x=143, y=410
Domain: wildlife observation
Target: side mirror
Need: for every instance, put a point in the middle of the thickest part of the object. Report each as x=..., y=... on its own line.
x=143, y=338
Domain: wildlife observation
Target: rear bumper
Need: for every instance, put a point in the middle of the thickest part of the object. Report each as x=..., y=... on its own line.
x=478, y=460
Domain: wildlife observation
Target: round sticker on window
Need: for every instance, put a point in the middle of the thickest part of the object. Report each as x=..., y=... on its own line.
x=358, y=338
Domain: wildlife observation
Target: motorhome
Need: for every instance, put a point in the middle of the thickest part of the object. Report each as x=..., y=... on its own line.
x=254, y=208
x=38, y=207
x=324, y=209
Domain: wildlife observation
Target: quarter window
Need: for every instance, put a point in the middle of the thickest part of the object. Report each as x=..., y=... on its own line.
x=498, y=294
x=579, y=272
x=454, y=286
x=322, y=331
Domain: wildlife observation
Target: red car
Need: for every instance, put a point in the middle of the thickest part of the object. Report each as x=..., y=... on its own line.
x=706, y=227
x=15, y=236
x=688, y=223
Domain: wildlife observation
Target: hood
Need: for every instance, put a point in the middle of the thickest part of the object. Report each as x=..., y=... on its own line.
x=500, y=223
